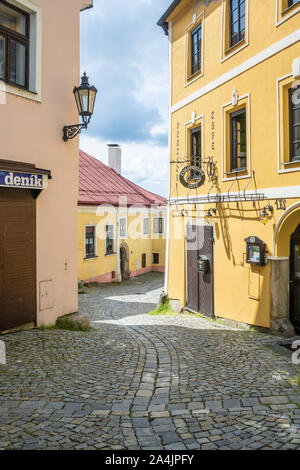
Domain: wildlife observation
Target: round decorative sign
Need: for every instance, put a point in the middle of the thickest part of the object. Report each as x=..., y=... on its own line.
x=192, y=177
x=252, y=239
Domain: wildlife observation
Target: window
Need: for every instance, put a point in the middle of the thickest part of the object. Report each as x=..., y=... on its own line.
x=123, y=227
x=158, y=225
x=109, y=239
x=237, y=21
x=144, y=260
x=14, y=45
x=195, y=148
x=292, y=2
x=146, y=226
x=90, y=242
x=238, y=140
x=294, y=124
x=196, y=38
x=155, y=258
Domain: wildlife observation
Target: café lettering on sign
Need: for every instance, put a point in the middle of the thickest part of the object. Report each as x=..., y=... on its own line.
x=13, y=179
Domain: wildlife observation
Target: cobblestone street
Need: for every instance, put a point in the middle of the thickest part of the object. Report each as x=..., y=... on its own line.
x=146, y=382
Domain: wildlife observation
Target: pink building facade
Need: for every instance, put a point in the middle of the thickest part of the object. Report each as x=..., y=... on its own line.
x=39, y=66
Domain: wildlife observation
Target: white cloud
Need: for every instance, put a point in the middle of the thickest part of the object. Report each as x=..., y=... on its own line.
x=145, y=165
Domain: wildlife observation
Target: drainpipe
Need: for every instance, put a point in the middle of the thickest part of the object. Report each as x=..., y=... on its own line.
x=118, y=243
x=170, y=158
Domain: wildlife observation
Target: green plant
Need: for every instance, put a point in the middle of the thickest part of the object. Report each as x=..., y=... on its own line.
x=163, y=309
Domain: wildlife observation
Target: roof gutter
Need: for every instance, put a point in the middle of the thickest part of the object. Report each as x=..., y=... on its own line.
x=163, y=20
x=88, y=6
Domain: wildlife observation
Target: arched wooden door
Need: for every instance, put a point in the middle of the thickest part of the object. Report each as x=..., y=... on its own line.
x=124, y=262
x=295, y=279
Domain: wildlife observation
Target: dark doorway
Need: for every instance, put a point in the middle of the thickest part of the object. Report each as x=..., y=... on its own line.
x=17, y=258
x=199, y=246
x=124, y=262
x=295, y=279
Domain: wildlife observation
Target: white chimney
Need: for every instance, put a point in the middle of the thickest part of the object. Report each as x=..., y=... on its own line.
x=114, y=157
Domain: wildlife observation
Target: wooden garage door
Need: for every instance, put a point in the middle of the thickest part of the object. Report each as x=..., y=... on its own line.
x=17, y=258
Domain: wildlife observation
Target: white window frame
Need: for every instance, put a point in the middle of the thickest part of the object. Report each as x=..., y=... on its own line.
x=35, y=53
x=188, y=30
x=294, y=11
x=146, y=218
x=247, y=97
x=120, y=234
x=84, y=239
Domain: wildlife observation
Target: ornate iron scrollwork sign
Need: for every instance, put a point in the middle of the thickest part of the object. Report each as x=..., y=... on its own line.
x=192, y=177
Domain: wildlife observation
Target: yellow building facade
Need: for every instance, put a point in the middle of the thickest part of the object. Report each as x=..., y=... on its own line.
x=121, y=227
x=233, y=239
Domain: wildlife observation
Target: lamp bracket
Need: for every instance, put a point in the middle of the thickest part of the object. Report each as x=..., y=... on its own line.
x=69, y=132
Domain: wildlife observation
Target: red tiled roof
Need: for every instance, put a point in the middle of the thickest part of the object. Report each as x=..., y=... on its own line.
x=100, y=184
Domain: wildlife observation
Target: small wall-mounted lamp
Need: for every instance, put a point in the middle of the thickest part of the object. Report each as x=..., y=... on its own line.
x=85, y=97
x=209, y=215
x=266, y=214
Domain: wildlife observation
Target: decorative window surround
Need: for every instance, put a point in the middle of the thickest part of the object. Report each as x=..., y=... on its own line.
x=197, y=20
x=285, y=14
x=224, y=138
x=282, y=162
x=225, y=53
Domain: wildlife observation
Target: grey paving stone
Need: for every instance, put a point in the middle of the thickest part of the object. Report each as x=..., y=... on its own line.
x=94, y=390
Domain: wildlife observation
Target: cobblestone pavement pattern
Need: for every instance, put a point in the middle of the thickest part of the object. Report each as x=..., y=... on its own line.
x=146, y=382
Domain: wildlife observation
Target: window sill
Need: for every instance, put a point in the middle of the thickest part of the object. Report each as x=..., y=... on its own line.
x=234, y=172
x=288, y=9
x=194, y=76
x=292, y=162
x=236, y=46
x=19, y=91
x=89, y=258
x=110, y=253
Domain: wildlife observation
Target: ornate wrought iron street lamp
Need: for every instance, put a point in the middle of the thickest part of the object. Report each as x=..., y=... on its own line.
x=85, y=97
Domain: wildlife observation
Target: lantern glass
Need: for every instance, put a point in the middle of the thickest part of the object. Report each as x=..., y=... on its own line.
x=92, y=99
x=77, y=99
x=84, y=101
x=85, y=96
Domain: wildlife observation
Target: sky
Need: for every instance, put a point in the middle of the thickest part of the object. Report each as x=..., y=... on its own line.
x=125, y=54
